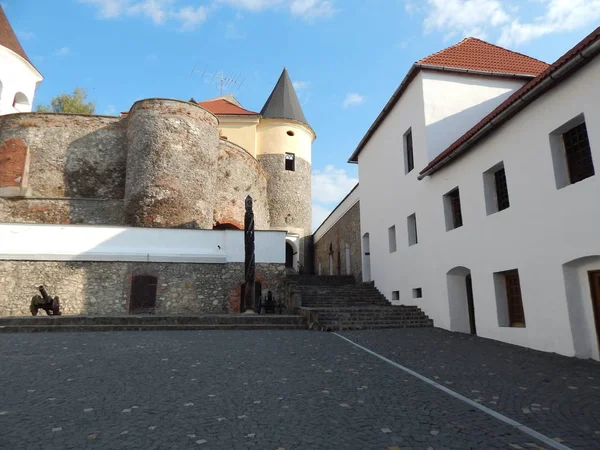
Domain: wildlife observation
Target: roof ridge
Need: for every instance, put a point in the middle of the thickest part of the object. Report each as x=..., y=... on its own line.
x=446, y=48
x=512, y=51
x=471, y=38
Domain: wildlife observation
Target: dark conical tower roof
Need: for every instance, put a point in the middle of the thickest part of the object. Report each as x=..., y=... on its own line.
x=283, y=102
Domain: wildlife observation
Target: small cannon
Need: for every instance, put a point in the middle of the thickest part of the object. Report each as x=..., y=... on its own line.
x=45, y=302
x=268, y=305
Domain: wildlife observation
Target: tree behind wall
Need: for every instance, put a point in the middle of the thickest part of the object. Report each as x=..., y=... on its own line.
x=69, y=103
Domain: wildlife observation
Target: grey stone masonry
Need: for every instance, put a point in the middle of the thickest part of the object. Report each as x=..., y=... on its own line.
x=104, y=288
x=345, y=233
x=171, y=165
x=289, y=193
x=337, y=303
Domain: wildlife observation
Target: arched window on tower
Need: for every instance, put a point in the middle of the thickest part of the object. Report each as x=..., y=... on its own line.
x=21, y=102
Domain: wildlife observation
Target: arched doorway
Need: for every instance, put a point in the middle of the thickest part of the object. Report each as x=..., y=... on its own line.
x=460, y=300
x=289, y=255
x=143, y=294
x=582, y=289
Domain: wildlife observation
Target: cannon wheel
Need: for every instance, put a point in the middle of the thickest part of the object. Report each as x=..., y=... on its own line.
x=55, y=307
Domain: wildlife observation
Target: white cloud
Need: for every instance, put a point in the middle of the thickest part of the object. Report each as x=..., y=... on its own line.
x=329, y=187
x=154, y=9
x=464, y=17
x=308, y=9
x=253, y=5
x=191, y=17
x=353, y=99
x=312, y=8
x=159, y=11
x=65, y=51
x=559, y=16
x=109, y=8
x=502, y=19
x=299, y=85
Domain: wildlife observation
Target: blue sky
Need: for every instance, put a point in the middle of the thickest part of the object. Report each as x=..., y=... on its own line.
x=346, y=57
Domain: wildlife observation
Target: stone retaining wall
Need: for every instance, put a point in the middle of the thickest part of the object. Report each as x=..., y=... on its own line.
x=104, y=288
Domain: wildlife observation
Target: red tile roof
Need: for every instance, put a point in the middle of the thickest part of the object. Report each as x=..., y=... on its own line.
x=475, y=54
x=549, y=76
x=222, y=107
x=8, y=38
x=469, y=55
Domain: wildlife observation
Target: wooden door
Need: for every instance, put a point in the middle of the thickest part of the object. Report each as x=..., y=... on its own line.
x=470, y=304
x=595, y=291
x=516, y=313
x=143, y=295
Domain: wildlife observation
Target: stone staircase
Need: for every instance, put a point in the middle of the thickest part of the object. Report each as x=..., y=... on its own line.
x=152, y=323
x=337, y=303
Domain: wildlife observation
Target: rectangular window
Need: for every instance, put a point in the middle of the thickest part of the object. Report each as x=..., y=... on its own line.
x=290, y=162
x=395, y=295
x=495, y=189
x=571, y=153
x=412, y=229
x=578, y=152
x=417, y=293
x=392, y=238
x=501, y=190
x=409, y=163
x=508, y=299
x=453, y=210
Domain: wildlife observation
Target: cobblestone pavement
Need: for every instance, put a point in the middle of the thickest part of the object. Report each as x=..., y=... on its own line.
x=555, y=395
x=275, y=390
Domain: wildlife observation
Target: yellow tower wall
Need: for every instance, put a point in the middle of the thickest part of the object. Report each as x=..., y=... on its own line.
x=241, y=131
x=273, y=138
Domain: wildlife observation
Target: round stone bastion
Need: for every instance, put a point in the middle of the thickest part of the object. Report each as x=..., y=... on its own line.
x=240, y=175
x=172, y=161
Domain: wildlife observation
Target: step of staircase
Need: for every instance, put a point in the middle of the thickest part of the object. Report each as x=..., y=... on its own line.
x=152, y=323
x=333, y=303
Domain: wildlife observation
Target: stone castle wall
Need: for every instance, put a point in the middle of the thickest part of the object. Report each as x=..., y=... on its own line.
x=345, y=231
x=240, y=175
x=70, y=155
x=162, y=166
x=289, y=193
x=171, y=165
x=104, y=288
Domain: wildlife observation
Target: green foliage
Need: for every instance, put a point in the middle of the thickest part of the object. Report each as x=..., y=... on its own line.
x=69, y=103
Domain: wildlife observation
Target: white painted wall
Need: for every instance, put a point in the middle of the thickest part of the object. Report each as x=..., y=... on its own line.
x=340, y=210
x=544, y=233
x=96, y=243
x=455, y=102
x=16, y=76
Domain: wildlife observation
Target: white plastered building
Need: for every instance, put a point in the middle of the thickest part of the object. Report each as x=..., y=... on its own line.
x=19, y=78
x=479, y=199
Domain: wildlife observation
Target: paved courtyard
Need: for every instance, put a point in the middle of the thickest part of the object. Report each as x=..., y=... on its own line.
x=287, y=390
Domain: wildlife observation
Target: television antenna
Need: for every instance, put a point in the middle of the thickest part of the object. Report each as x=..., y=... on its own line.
x=221, y=80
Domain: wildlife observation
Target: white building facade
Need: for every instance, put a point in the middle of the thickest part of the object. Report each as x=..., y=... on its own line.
x=501, y=241
x=19, y=78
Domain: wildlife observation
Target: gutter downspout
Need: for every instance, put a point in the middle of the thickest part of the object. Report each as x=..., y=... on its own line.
x=523, y=100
